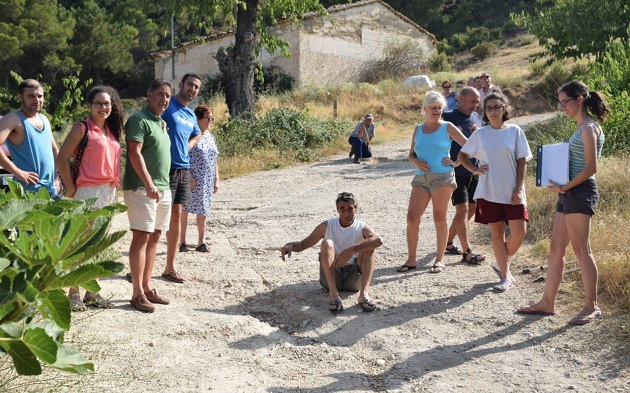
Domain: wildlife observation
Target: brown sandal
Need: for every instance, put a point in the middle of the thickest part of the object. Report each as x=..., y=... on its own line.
x=174, y=277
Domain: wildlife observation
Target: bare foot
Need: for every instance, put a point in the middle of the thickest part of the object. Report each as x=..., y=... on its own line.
x=535, y=309
x=586, y=316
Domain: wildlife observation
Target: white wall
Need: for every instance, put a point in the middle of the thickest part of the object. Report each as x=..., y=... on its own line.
x=323, y=51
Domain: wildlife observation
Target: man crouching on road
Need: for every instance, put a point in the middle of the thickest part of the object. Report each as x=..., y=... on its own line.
x=346, y=256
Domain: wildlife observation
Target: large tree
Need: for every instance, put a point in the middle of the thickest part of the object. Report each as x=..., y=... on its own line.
x=252, y=19
x=578, y=28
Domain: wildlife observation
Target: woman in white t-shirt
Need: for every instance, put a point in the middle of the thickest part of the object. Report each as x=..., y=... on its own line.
x=503, y=152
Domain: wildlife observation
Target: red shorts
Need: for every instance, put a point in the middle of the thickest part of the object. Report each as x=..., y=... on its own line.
x=490, y=212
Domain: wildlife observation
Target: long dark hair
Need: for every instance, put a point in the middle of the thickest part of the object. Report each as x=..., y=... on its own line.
x=114, y=121
x=593, y=101
x=507, y=113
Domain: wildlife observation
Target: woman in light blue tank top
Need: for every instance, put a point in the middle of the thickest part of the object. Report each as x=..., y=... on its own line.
x=434, y=179
x=577, y=201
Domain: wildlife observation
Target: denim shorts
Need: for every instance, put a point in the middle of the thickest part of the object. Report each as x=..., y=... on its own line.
x=582, y=198
x=432, y=181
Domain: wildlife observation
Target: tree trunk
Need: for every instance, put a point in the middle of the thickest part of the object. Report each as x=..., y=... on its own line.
x=238, y=63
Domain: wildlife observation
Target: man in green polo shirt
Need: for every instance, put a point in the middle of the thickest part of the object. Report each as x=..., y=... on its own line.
x=146, y=191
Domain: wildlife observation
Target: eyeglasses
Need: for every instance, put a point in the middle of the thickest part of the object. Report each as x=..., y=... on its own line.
x=563, y=103
x=102, y=104
x=446, y=87
x=494, y=108
x=209, y=118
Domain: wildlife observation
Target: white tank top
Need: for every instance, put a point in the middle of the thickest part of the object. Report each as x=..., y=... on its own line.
x=342, y=237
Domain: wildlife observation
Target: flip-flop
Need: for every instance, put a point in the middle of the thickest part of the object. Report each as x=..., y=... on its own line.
x=594, y=316
x=367, y=305
x=438, y=267
x=529, y=310
x=405, y=268
x=338, y=306
x=174, y=277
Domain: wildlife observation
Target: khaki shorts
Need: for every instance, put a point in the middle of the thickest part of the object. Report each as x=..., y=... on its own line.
x=145, y=214
x=432, y=181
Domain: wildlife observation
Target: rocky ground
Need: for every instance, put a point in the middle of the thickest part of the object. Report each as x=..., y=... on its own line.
x=245, y=321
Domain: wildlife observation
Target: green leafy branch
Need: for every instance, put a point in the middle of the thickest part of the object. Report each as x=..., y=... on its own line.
x=47, y=246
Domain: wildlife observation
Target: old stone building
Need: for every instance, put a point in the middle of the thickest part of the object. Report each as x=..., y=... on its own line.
x=324, y=50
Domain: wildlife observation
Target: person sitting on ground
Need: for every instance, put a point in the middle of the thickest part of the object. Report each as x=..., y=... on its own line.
x=347, y=256
x=361, y=137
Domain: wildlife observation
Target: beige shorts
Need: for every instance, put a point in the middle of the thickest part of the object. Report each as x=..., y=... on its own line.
x=432, y=181
x=105, y=195
x=145, y=214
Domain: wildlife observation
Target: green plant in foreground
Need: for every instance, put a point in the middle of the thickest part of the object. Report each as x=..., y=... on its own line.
x=46, y=246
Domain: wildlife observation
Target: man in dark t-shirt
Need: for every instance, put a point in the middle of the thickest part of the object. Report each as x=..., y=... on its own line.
x=467, y=120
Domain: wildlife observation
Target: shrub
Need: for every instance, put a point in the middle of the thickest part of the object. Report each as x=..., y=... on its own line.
x=557, y=75
x=616, y=129
x=445, y=47
x=484, y=50
x=510, y=28
x=400, y=59
x=284, y=130
x=459, y=41
x=274, y=80
x=57, y=244
x=523, y=40
x=440, y=63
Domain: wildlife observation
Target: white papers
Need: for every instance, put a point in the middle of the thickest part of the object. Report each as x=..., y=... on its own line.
x=552, y=164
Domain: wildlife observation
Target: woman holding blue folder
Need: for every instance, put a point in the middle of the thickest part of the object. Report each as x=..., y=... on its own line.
x=577, y=201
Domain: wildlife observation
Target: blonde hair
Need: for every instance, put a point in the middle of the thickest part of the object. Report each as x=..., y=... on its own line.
x=433, y=97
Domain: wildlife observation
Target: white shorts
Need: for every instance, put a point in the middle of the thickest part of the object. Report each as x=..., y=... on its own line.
x=105, y=195
x=145, y=214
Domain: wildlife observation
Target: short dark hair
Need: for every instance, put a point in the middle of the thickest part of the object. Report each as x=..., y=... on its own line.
x=346, y=197
x=157, y=83
x=190, y=75
x=201, y=110
x=28, y=84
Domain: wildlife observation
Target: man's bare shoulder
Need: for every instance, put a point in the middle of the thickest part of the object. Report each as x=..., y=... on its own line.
x=10, y=122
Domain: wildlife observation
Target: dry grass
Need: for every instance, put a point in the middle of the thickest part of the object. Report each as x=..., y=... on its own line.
x=396, y=109
x=609, y=232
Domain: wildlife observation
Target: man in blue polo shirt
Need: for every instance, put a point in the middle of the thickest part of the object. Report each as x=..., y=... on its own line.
x=184, y=133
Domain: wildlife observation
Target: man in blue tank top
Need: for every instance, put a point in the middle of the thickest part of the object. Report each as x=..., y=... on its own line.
x=346, y=257
x=29, y=138
x=184, y=133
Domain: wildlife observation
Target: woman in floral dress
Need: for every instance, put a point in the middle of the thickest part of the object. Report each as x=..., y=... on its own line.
x=205, y=179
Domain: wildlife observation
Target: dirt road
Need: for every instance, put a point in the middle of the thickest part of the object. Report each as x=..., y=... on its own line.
x=247, y=322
